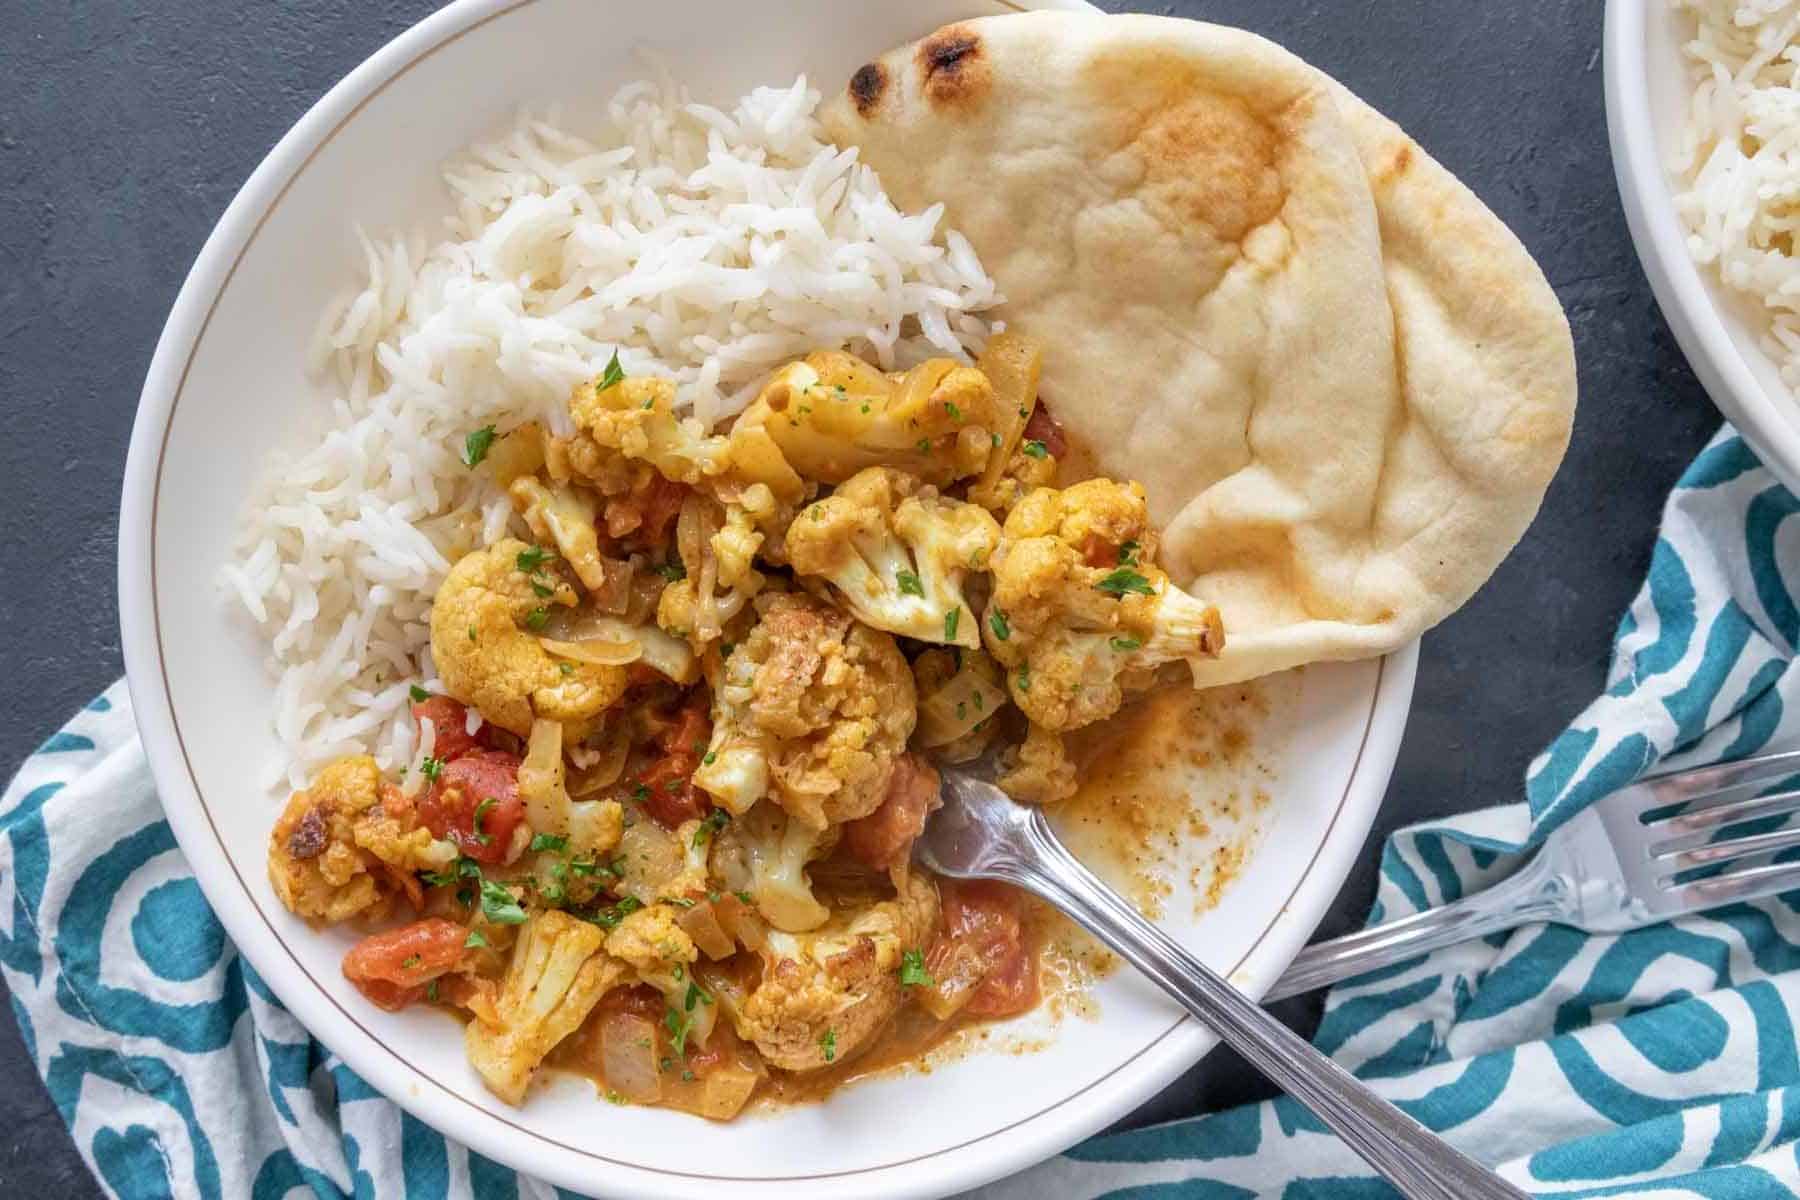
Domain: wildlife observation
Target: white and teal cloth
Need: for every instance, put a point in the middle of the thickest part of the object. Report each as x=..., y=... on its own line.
x=1657, y=1064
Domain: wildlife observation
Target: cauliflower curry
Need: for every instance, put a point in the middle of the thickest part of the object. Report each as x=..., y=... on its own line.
x=660, y=817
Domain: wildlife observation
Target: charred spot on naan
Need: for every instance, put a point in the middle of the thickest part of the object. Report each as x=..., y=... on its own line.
x=867, y=86
x=953, y=67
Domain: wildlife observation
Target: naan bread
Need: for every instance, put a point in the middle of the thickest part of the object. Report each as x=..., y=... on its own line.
x=1341, y=380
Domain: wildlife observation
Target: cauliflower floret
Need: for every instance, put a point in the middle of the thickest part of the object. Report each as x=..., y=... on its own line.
x=1012, y=364
x=488, y=656
x=825, y=994
x=959, y=693
x=663, y=955
x=563, y=516
x=1079, y=608
x=831, y=415
x=328, y=850
x=813, y=706
x=556, y=975
x=898, y=552
x=635, y=417
x=1039, y=770
x=763, y=854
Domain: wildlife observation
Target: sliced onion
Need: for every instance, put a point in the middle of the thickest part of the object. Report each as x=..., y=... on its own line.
x=415, y=770
x=628, y=1057
x=659, y=651
x=595, y=653
x=701, y=923
x=613, y=596
x=965, y=701
x=604, y=767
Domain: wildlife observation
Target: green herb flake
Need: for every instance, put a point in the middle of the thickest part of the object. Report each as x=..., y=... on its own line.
x=679, y=1025
x=613, y=1097
x=1034, y=449
x=952, y=619
x=641, y=792
x=410, y=961
x=1128, y=552
x=431, y=991
x=475, y=940
x=566, y=668
x=1125, y=645
x=695, y=995
x=673, y=570
x=715, y=820
x=431, y=768
x=924, y=445
x=531, y=560
x=1125, y=580
x=614, y=373
x=998, y=623
x=471, y=633
x=540, y=591
x=1025, y=678
x=909, y=583
x=476, y=445
x=828, y=1044
x=553, y=842
x=913, y=972
x=538, y=617
x=499, y=905
x=955, y=412
x=742, y=896
x=419, y=694
x=708, y=759
x=481, y=811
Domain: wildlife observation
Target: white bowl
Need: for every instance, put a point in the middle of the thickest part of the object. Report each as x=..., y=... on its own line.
x=227, y=385
x=1646, y=100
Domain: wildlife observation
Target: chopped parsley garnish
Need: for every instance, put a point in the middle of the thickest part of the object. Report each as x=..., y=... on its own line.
x=909, y=583
x=531, y=560
x=695, y=995
x=979, y=702
x=481, y=811
x=955, y=412
x=1125, y=645
x=609, y=918
x=913, y=972
x=617, y=1098
x=715, y=820
x=419, y=694
x=1034, y=449
x=540, y=591
x=996, y=441
x=471, y=633
x=498, y=904
x=649, y=403
x=673, y=570
x=464, y=868
x=430, y=768
x=641, y=792
x=410, y=961
x=709, y=758
x=997, y=623
x=1128, y=552
x=1025, y=678
x=613, y=374
x=952, y=619
x=566, y=668
x=678, y=902
x=1124, y=580
x=475, y=446
x=828, y=1044
x=743, y=896
x=431, y=991
x=725, y=649
x=679, y=1025
x=538, y=617
x=924, y=445
x=549, y=841
x=475, y=940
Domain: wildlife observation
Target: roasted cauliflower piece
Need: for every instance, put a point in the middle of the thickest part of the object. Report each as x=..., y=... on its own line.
x=563, y=516
x=483, y=644
x=898, y=552
x=1038, y=770
x=634, y=417
x=813, y=706
x=832, y=414
x=1012, y=364
x=717, y=544
x=556, y=975
x=661, y=953
x=763, y=854
x=1079, y=607
x=825, y=994
x=328, y=850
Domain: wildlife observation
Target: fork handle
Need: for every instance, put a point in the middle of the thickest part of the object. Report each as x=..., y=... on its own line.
x=1416, y=1161
x=1532, y=893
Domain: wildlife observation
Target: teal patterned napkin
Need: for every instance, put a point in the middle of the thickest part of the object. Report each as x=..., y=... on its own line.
x=1661, y=1063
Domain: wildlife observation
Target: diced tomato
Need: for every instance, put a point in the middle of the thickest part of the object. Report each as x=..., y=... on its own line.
x=450, y=724
x=1096, y=551
x=393, y=968
x=884, y=838
x=1042, y=427
x=671, y=796
x=982, y=932
x=463, y=785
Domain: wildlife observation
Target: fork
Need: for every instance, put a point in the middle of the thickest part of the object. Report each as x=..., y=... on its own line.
x=979, y=833
x=1663, y=847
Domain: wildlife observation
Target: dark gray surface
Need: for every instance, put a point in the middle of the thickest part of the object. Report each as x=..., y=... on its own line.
x=125, y=128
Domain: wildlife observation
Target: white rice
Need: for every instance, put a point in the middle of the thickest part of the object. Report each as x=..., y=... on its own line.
x=1739, y=158
x=699, y=244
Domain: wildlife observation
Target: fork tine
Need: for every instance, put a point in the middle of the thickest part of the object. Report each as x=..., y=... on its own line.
x=1674, y=787
x=1695, y=829
x=1712, y=812
x=1735, y=886
x=1726, y=851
